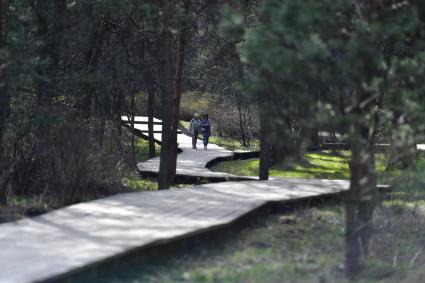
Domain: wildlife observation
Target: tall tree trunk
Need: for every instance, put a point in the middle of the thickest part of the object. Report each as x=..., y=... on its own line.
x=4, y=107
x=101, y=132
x=243, y=134
x=133, y=134
x=4, y=93
x=56, y=44
x=117, y=110
x=118, y=136
x=4, y=90
x=167, y=147
x=265, y=145
x=50, y=17
x=284, y=146
x=402, y=156
x=314, y=137
x=151, y=101
x=314, y=131
x=403, y=149
x=177, y=93
x=91, y=100
x=50, y=32
x=43, y=86
x=361, y=198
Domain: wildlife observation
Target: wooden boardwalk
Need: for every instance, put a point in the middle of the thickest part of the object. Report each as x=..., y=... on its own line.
x=190, y=162
x=64, y=240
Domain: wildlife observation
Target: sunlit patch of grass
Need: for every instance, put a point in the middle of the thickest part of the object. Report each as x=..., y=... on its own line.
x=325, y=165
x=185, y=124
x=139, y=184
x=322, y=165
x=142, y=150
x=248, y=167
x=232, y=144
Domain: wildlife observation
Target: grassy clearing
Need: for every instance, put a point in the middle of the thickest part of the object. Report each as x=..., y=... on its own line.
x=322, y=165
x=304, y=245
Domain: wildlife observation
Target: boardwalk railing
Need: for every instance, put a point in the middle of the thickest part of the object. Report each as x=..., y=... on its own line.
x=143, y=124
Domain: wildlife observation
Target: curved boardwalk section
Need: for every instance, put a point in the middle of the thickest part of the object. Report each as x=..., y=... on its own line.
x=190, y=162
x=79, y=235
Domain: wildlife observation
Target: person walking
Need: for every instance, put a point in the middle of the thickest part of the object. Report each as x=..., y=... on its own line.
x=206, y=129
x=194, y=126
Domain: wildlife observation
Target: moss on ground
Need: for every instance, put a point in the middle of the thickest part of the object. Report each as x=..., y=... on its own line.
x=321, y=165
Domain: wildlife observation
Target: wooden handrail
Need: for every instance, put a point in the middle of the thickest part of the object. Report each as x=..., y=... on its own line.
x=155, y=132
x=142, y=122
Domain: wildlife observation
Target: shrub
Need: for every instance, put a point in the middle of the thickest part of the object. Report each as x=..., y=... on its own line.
x=65, y=166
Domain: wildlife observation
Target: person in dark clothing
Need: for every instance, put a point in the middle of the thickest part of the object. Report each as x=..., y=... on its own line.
x=194, y=126
x=206, y=129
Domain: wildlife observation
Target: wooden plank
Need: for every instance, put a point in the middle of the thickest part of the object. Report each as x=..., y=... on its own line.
x=82, y=234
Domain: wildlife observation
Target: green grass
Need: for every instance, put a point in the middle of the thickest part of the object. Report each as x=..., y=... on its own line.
x=232, y=144
x=142, y=150
x=185, y=124
x=321, y=165
x=134, y=182
x=409, y=188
